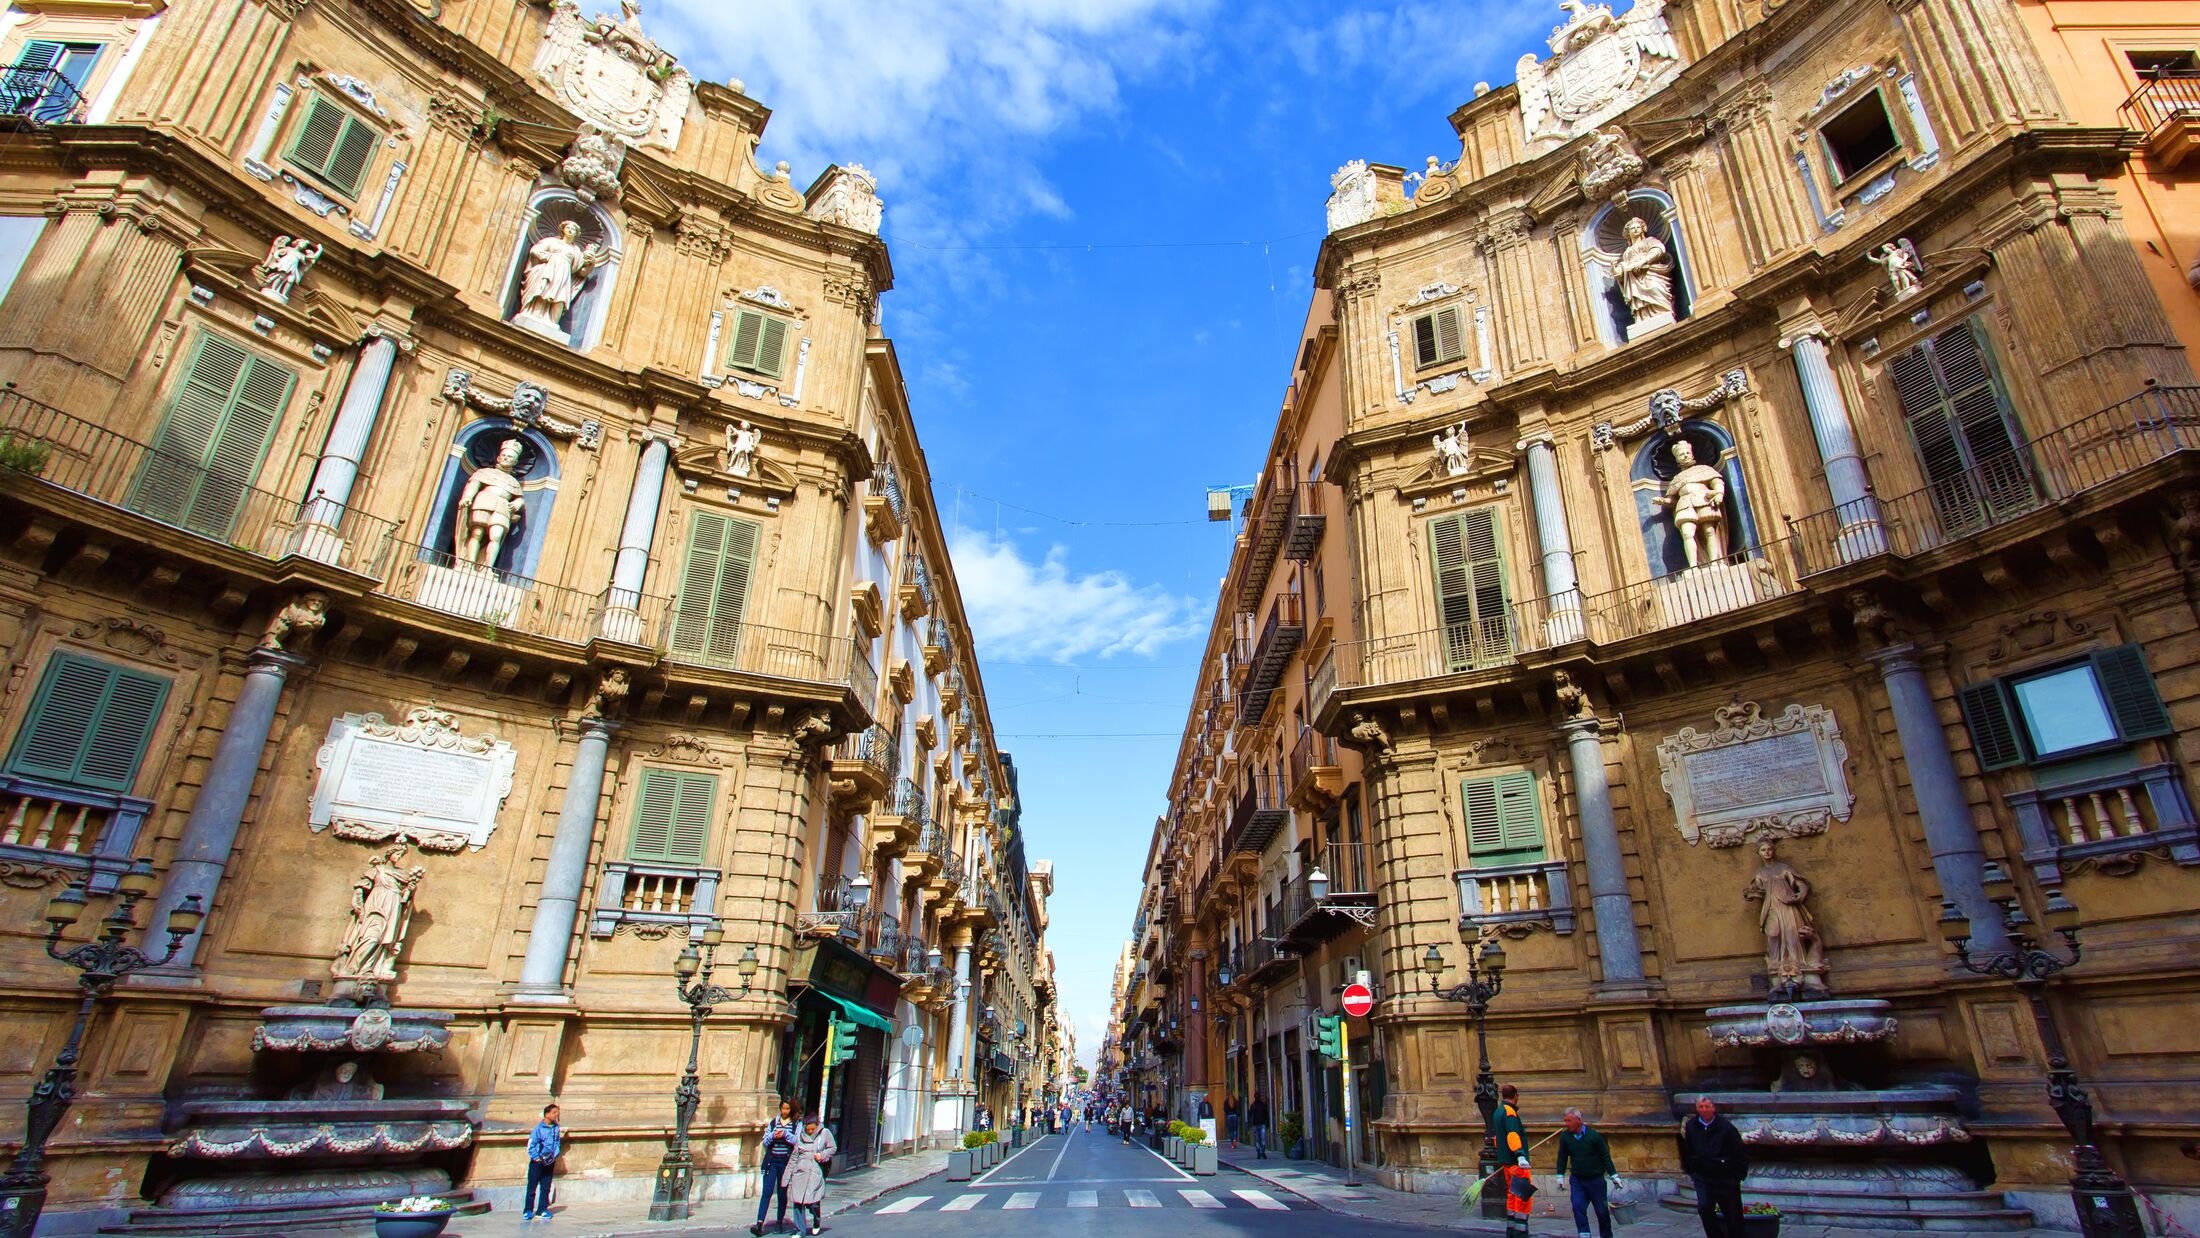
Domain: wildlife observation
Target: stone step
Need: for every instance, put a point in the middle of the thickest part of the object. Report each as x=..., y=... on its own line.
x=274, y=1219
x=1953, y=1212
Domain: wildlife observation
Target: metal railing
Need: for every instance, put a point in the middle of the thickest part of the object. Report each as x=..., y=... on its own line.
x=1348, y=869
x=41, y=95
x=783, y=653
x=507, y=602
x=2170, y=95
x=874, y=749
x=1260, y=811
x=40, y=442
x=1311, y=751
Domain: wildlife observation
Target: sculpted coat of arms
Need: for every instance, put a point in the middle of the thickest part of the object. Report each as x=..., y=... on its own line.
x=1600, y=66
x=614, y=76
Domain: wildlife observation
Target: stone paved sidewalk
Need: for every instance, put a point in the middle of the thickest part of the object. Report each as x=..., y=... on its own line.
x=1324, y=1185
x=625, y=1219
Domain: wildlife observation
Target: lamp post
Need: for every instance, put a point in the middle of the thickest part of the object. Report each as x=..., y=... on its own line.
x=2106, y=1206
x=691, y=971
x=99, y=964
x=1485, y=978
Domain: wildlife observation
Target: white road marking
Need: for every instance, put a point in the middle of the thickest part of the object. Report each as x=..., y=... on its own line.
x=1084, y=1199
x=1023, y=1199
x=980, y=1180
x=908, y=1204
x=963, y=1203
x=1179, y=1175
x=1141, y=1199
x=1262, y=1199
x=1200, y=1199
x=1057, y=1165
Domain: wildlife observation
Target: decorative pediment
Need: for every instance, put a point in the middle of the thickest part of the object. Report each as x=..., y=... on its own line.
x=1881, y=305
x=308, y=310
x=734, y=455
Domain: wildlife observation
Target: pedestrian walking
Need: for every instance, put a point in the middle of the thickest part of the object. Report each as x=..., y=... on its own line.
x=543, y=1145
x=1715, y=1160
x=1584, y=1166
x=1231, y=1118
x=1124, y=1116
x=773, y=1151
x=813, y=1158
x=1256, y=1116
x=985, y=1117
x=1512, y=1145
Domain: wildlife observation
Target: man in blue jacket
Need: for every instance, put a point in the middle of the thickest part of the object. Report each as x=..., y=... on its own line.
x=543, y=1145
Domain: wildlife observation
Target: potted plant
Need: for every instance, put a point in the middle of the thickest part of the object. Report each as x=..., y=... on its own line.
x=1760, y=1220
x=1292, y=1131
x=960, y=1161
x=415, y=1216
x=1202, y=1157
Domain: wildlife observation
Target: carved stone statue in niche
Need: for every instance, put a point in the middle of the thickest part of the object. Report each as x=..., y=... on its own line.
x=491, y=503
x=1645, y=278
x=1453, y=450
x=1696, y=499
x=288, y=260
x=742, y=440
x=347, y=1080
x=381, y=911
x=1795, y=959
x=556, y=268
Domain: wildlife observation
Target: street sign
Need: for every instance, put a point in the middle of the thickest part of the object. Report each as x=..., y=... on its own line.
x=1358, y=1000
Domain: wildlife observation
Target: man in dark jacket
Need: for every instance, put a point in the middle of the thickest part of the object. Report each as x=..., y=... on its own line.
x=1256, y=1117
x=1713, y=1155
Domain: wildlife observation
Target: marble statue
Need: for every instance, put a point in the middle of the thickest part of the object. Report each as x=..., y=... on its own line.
x=610, y=694
x=742, y=440
x=1453, y=450
x=1795, y=960
x=1351, y=195
x=306, y=614
x=557, y=267
x=1899, y=261
x=1696, y=500
x=1645, y=278
x=381, y=910
x=288, y=260
x=489, y=505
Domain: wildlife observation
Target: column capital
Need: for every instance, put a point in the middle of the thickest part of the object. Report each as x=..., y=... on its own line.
x=1539, y=437
x=1904, y=656
x=1589, y=727
x=276, y=662
x=392, y=332
x=1809, y=328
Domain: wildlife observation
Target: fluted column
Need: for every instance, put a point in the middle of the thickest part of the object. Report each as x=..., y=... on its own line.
x=958, y=1025
x=622, y=616
x=1618, y=946
x=1561, y=588
x=1507, y=245
x=210, y=834
x=1856, y=511
x=329, y=493
x=1958, y=857
x=550, y=936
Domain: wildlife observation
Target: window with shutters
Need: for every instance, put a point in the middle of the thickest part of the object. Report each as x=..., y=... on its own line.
x=89, y=724
x=672, y=814
x=2102, y=701
x=207, y=452
x=1966, y=437
x=714, y=589
x=332, y=144
x=1504, y=818
x=760, y=344
x=1438, y=338
x=49, y=80
x=1466, y=554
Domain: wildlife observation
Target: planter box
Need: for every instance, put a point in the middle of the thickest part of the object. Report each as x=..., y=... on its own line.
x=1204, y=1158
x=411, y=1224
x=1760, y=1227
x=958, y=1165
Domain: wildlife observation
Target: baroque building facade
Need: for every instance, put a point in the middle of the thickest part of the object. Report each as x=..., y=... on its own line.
x=1759, y=474
x=466, y=524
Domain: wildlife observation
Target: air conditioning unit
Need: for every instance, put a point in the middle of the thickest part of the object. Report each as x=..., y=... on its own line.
x=1352, y=971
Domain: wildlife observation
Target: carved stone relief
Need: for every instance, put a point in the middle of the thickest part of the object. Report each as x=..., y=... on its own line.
x=1600, y=65
x=422, y=781
x=1783, y=777
x=614, y=76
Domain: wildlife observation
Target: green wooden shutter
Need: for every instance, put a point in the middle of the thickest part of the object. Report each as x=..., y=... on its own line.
x=2128, y=687
x=89, y=724
x=1504, y=818
x=209, y=448
x=1437, y=338
x=759, y=343
x=1993, y=723
x=1965, y=435
x=1466, y=553
x=332, y=144
x=1485, y=827
x=672, y=817
x=714, y=587
x=37, y=56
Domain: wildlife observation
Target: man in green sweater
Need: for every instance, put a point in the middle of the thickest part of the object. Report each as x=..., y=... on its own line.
x=1584, y=1164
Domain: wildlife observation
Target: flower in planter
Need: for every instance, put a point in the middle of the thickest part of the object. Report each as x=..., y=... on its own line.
x=414, y=1203
x=1760, y=1210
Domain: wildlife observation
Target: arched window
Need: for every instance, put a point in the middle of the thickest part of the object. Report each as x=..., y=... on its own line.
x=1654, y=466
x=1637, y=290
x=476, y=447
x=582, y=321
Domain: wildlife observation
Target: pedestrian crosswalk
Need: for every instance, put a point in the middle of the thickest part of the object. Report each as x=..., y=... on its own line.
x=1241, y=1198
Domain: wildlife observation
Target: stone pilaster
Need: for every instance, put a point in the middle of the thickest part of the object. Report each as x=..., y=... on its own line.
x=1761, y=184
x=1983, y=71
x=1522, y=284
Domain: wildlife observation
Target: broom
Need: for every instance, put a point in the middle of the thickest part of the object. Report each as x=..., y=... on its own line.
x=1473, y=1194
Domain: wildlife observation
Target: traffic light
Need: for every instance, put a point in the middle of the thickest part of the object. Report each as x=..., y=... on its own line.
x=840, y=1041
x=1329, y=1036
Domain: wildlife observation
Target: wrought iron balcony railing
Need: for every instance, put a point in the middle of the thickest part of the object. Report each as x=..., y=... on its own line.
x=40, y=95
x=2166, y=112
x=507, y=602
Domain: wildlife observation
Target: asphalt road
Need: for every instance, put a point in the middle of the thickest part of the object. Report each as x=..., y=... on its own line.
x=1089, y=1183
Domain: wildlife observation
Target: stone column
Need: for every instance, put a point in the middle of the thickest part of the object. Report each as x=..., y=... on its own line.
x=329, y=493
x=958, y=1024
x=1949, y=830
x=1561, y=589
x=622, y=614
x=210, y=834
x=550, y=937
x=1856, y=512
x=1617, y=944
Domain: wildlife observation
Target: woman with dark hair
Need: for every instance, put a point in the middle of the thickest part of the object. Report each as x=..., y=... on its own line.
x=813, y=1153
x=780, y=1136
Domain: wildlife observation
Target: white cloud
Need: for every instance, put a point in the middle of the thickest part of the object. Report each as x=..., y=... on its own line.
x=1043, y=610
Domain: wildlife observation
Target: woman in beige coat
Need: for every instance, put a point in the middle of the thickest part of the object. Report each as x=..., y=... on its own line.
x=805, y=1181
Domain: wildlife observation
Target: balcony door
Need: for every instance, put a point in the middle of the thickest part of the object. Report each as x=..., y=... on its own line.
x=1466, y=553
x=1966, y=439
x=208, y=450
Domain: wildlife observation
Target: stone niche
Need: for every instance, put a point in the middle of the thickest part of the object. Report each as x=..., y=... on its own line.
x=1781, y=777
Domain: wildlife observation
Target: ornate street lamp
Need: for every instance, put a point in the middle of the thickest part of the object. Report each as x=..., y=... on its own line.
x=99, y=964
x=1485, y=978
x=2106, y=1206
x=1317, y=885
x=691, y=972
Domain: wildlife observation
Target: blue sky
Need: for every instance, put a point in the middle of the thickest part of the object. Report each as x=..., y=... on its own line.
x=1103, y=215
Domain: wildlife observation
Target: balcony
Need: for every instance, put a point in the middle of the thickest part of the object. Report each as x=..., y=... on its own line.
x=914, y=595
x=783, y=653
x=902, y=822
x=1305, y=922
x=1260, y=812
x=1304, y=523
x=48, y=825
x=2166, y=112
x=1264, y=961
x=863, y=768
x=939, y=645
x=1316, y=779
x=503, y=602
x=1264, y=529
x=883, y=943
x=654, y=900
x=35, y=96
x=1515, y=898
x=2110, y=823
x=1280, y=636
x=836, y=914
x=883, y=513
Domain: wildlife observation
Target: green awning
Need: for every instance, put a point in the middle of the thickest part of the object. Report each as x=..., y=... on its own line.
x=863, y=1017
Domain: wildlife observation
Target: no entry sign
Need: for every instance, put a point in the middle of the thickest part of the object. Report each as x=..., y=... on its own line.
x=1358, y=1000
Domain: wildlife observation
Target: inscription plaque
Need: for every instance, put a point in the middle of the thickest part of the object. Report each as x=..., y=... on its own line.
x=421, y=780
x=1781, y=777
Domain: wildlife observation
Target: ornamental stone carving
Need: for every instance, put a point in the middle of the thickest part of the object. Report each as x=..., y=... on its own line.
x=381, y=912
x=1898, y=258
x=421, y=781
x=1795, y=957
x=1351, y=195
x=1600, y=66
x=528, y=406
x=614, y=76
x=307, y=613
x=1695, y=499
x=288, y=260
x=556, y=268
x=1610, y=163
x=1454, y=451
x=849, y=198
x=1753, y=776
x=489, y=507
x=591, y=166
